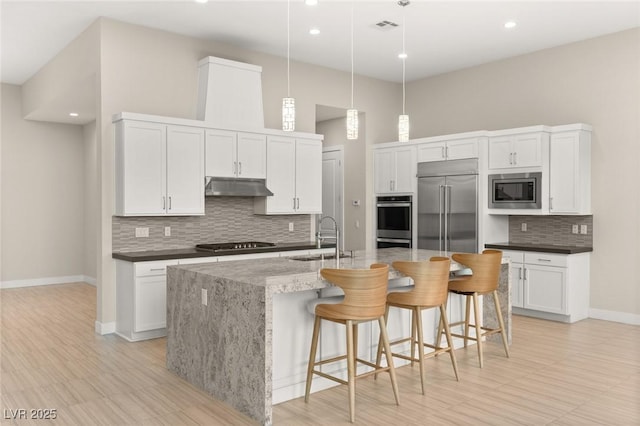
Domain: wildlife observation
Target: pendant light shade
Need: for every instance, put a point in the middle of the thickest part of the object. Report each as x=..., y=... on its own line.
x=288, y=114
x=288, y=103
x=403, y=128
x=352, y=114
x=352, y=124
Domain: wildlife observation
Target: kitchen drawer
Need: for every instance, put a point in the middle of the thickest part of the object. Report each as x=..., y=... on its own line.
x=192, y=260
x=513, y=255
x=546, y=259
x=146, y=269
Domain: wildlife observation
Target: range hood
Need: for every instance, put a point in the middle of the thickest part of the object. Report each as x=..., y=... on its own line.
x=235, y=187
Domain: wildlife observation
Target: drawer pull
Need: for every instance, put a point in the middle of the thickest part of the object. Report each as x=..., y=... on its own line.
x=544, y=260
x=157, y=269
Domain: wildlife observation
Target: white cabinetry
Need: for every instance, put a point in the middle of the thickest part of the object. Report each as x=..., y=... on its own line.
x=549, y=285
x=159, y=169
x=294, y=175
x=235, y=154
x=448, y=150
x=141, y=293
x=520, y=150
x=394, y=170
x=570, y=171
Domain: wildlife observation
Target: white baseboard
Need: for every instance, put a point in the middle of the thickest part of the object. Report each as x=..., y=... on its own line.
x=47, y=281
x=623, y=317
x=103, y=328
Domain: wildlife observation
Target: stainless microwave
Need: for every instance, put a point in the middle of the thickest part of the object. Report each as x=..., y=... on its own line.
x=515, y=191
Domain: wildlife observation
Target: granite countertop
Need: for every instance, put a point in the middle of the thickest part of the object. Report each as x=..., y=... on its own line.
x=285, y=275
x=545, y=248
x=147, y=255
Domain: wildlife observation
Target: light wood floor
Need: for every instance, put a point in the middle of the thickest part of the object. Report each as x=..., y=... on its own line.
x=586, y=373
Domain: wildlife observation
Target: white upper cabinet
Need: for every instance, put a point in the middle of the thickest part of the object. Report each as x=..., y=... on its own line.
x=570, y=172
x=159, y=169
x=517, y=150
x=394, y=170
x=294, y=175
x=448, y=150
x=236, y=154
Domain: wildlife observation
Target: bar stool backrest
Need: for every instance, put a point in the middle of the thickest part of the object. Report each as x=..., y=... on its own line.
x=485, y=270
x=430, y=280
x=365, y=292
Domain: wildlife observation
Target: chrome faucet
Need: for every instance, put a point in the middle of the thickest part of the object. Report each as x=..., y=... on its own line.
x=320, y=237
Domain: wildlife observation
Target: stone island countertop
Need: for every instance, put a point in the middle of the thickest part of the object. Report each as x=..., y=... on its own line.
x=225, y=346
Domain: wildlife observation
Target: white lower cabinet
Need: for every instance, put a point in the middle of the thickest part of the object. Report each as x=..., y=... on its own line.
x=141, y=295
x=549, y=285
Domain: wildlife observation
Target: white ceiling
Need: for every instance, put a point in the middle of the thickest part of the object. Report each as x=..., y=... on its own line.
x=441, y=36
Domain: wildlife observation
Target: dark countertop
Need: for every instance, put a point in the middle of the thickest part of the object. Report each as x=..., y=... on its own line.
x=147, y=255
x=545, y=248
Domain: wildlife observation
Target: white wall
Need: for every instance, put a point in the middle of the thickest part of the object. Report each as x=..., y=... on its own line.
x=596, y=82
x=42, y=197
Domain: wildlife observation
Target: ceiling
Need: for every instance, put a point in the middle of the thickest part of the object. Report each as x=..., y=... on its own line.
x=441, y=36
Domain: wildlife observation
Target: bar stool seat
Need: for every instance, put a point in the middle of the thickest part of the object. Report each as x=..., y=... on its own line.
x=429, y=291
x=364, y=300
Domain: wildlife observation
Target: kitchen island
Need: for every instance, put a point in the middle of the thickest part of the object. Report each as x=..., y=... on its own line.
x=235, y=329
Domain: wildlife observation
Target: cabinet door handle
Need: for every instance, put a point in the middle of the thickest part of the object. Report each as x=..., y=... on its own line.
x=240, y=168
x=526, y=274
x=298, y=203
x=235, y=168
x=443, y=154
x=169, y=202
x=519, y=273
x=294, y=203
x=164, y=203
x=551, y=202
x=511, y=158
x=446, y=152
x=515, y=158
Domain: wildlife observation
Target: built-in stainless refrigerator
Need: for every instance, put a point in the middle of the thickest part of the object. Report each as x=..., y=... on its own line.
x=448, y=205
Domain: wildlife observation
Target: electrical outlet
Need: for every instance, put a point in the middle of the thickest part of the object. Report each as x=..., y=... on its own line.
x=142, y=232
x=523, y=227
x=574, y=229
x=583, y=229
x=356, y=203
x=167, y=231
x=204, y=296
x=290, y=226
x=357, y=224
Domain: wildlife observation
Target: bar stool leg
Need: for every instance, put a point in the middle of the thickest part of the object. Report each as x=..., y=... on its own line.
x=413, y=336
x=467, y=315
x=350, y=372
x=417, y=315
x=379, y=355
x=387, y=349
x=503, y=331
x=478, y=328
x=447, y=330
x=312, y=357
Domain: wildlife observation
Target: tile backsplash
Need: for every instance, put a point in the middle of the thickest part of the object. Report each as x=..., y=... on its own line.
x=225, y=219
x=551, y=230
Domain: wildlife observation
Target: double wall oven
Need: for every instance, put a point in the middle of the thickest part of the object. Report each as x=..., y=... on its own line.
x=394, y=221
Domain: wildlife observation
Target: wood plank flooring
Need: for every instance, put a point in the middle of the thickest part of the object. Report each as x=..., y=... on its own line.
x=587, y=373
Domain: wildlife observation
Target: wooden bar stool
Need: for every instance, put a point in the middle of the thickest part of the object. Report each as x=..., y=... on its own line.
x=429, y=290
x=485, y=270
x=365, y=292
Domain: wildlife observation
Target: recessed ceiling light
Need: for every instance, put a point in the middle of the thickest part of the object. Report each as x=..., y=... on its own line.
x=402, y=55
x=509, y=24
x=73, y=114
x=314, y=31
x=310, y=2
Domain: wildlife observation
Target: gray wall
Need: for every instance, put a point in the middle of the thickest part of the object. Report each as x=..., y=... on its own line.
x=596, y=82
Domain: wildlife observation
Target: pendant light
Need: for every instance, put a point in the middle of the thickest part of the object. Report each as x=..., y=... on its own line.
x=288, y=103
x=403, y=120
x=352, y=113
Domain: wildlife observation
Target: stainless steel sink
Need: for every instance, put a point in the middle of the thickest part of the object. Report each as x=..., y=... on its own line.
x=313, y=257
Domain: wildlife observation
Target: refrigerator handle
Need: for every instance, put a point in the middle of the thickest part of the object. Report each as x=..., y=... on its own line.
x=447, y=189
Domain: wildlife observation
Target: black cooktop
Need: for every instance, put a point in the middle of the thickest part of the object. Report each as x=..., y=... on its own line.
x=242, y=245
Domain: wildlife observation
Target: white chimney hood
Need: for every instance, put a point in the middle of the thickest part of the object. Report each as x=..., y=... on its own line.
x=230, y=94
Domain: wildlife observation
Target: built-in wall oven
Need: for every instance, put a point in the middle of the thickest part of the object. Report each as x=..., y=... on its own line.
x=394, y=215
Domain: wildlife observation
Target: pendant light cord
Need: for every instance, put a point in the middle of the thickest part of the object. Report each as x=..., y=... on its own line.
x=288, y=48
x=352, y=7
x=404, y=59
